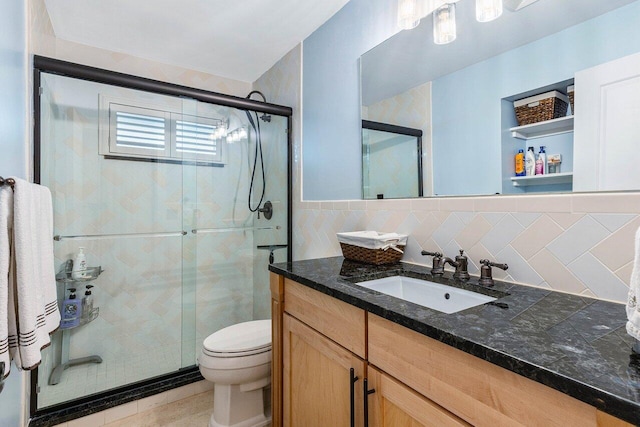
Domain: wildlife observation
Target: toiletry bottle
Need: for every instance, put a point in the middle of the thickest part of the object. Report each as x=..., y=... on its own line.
x=520, y=163
x=79, y=265
x=71, y=311
x=539, y=166
x=87, y=303
x=530, y=162
x=543, y=156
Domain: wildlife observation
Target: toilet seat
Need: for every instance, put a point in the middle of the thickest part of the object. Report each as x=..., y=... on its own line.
x=242, y=339
x=239, y=346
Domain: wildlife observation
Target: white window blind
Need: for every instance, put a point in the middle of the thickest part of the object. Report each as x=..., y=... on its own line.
x=140, y=131
x=143, y=132
x=147, y=131
x=197, y=138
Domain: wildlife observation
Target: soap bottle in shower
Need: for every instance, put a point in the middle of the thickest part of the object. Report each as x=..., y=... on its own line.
x=79, y=265
x=71, y=311
x=87, y=303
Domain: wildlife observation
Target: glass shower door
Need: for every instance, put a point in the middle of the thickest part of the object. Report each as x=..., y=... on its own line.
x=128, y=217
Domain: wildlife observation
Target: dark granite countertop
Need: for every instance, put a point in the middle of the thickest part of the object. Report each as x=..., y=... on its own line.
x=574, y=344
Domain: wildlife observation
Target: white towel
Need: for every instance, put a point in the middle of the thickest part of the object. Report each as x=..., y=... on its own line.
x=633, y=310
x=34, y=287
x=6, y=230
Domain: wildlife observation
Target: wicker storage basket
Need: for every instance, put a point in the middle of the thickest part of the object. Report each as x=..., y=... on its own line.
x=372, y=247
x=571, y=93
x=539, y=108
x=372, y=256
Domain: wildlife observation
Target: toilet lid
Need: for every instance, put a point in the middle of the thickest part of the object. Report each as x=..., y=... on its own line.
x=240, y=338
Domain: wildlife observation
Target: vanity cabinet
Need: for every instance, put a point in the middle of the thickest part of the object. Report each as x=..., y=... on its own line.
x=317, y=379
x=475, y=390
x=319, y=350
x=414, y=380
x=393, y=404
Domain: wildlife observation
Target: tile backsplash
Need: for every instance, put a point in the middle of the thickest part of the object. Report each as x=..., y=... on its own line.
x=581, y=244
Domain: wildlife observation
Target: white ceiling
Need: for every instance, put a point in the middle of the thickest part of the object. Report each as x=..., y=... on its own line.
x=238, y=39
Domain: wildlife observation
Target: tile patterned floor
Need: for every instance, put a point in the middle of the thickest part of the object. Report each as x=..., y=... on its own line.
x=193, y=411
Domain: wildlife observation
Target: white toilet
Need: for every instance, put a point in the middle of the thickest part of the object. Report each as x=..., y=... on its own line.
x=237, y=360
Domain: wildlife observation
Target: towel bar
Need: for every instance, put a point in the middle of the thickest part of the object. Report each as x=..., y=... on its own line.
x=8, y=181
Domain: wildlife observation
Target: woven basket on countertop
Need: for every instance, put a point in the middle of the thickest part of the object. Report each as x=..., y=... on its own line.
x=372, y=256
x=540, y=110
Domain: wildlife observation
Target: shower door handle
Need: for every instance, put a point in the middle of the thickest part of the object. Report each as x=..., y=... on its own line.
x=352, y=394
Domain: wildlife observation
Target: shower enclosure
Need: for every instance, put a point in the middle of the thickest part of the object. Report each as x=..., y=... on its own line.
x=168, y=197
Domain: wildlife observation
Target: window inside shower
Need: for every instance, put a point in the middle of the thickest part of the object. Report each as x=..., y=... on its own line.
x=160, y=191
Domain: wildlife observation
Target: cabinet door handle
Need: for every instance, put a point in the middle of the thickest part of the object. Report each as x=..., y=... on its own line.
x=352, y=392
x=367, y=392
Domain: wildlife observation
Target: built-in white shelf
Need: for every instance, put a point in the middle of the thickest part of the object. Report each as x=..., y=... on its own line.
x=551, y=178
x=542, y=129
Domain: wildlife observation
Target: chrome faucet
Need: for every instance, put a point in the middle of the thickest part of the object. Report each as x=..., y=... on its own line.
x=486, y=277
x=438, y=263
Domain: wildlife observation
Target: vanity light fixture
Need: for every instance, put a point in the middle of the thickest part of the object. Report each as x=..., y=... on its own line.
x=444, y=23
x=408, y=14
x=444, y=15
x=488, y=10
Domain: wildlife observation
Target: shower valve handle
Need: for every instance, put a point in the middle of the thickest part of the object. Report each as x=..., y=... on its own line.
x=267, y=210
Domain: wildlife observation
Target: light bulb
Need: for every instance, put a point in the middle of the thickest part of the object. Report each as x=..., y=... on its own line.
x=408, y=14
x=444, y=24
x=242, y=133
x=488, y=10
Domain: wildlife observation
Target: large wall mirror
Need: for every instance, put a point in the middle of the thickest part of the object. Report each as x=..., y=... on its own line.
x=461, y=95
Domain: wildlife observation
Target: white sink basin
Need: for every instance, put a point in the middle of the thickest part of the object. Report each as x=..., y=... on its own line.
x=436, y=296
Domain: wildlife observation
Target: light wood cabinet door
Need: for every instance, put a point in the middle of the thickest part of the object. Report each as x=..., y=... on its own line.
x=317, y=379
x=393, y=404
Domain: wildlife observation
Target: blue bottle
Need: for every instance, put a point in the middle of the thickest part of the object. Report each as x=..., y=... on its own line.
x=71, y=311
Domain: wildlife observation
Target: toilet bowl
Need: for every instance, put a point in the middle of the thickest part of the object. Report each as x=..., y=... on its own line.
x=237, y=360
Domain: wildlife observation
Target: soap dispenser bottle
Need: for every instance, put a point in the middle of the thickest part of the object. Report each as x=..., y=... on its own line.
x=87, y=303
x=79, y=265
x=71, y=311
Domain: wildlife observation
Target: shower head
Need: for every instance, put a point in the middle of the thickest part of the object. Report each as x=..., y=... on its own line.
x=265, y=118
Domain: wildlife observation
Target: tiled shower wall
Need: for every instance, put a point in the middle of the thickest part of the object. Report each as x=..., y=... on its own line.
x=410, y=109
x=576, y=243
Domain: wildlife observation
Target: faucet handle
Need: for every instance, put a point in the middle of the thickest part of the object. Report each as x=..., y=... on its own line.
x=486, y=277
x=437, y=268
x=433, y=254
